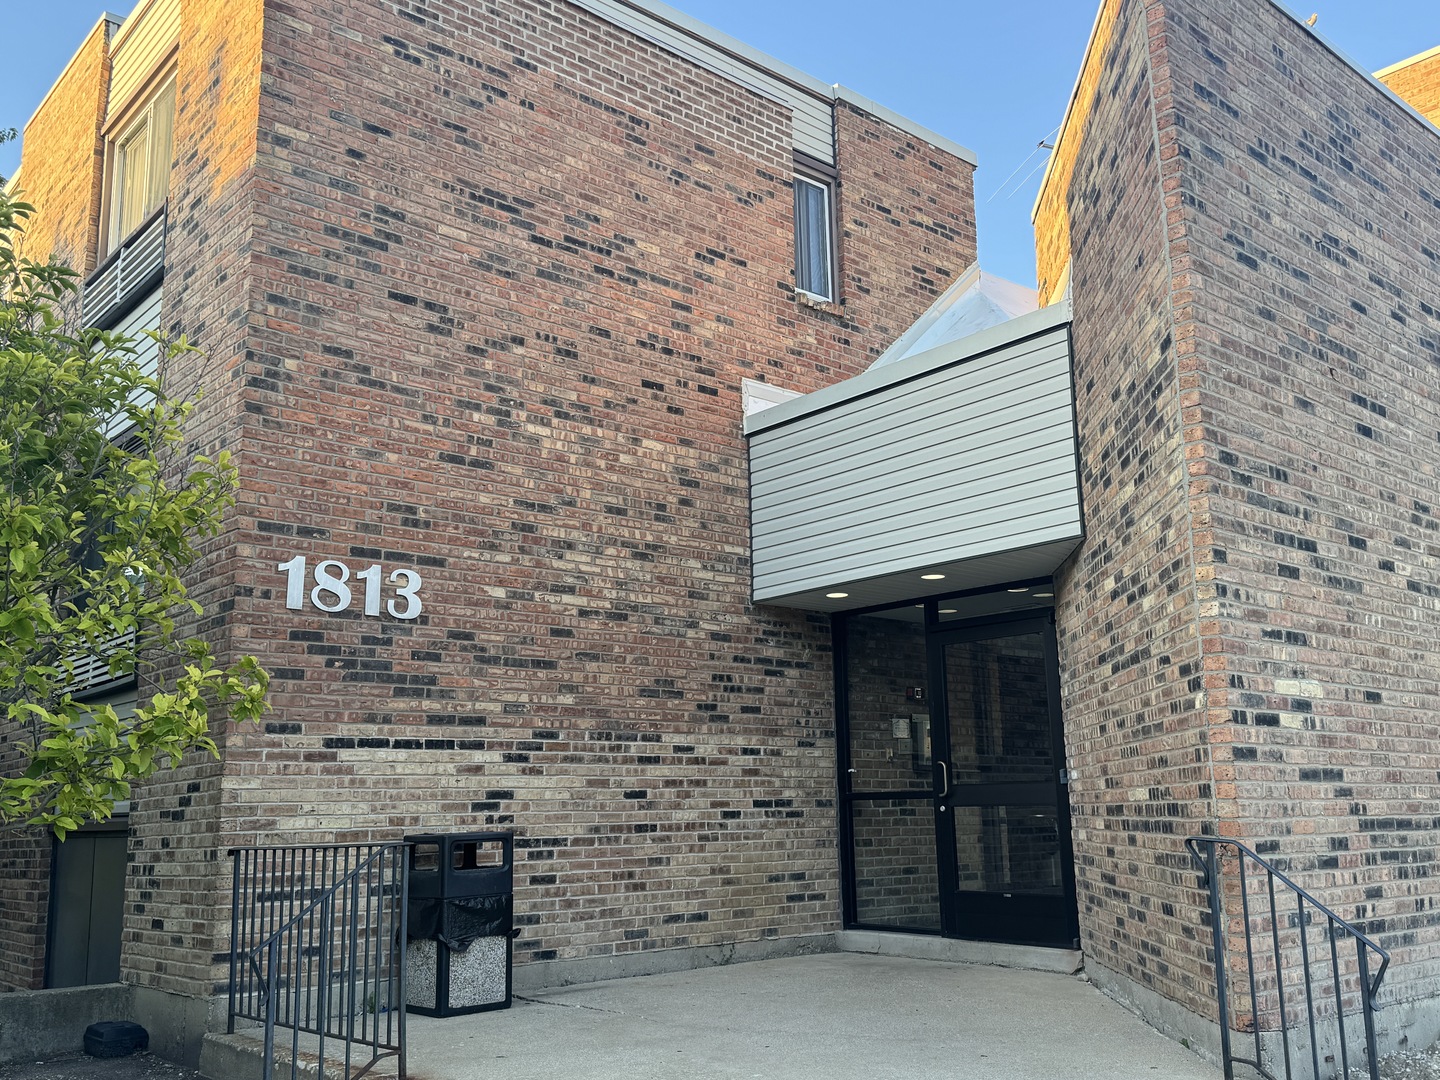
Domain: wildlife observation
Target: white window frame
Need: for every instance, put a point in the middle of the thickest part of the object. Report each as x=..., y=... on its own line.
x=827, y=190
x=143, y=120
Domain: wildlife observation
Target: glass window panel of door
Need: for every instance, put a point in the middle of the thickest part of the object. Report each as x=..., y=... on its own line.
x=1007, y=849
x=998, y=699
x=889, y=720
x=896, y=881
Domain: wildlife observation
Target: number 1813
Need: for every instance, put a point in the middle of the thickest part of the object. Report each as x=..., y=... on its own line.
x=332, y=592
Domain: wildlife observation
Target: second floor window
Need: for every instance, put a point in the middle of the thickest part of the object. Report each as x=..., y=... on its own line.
x=140, y=165
x=814, y=248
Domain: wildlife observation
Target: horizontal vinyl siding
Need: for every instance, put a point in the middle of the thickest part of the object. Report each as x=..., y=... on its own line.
x=141, y=48
x=814, y=127
x=812, y=117
x=966, y=461
x=915, y=416
x=146, y=316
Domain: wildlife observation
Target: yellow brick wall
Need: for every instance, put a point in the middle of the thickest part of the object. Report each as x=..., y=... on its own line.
x=1417, y=81
x=62, y=157
x=1052, y=217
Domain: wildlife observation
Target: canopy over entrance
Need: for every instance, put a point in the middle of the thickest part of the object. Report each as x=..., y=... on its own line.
x=949, y=465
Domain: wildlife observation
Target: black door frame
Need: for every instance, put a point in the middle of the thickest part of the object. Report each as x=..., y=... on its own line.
x=938, y=634
x=1039, y=622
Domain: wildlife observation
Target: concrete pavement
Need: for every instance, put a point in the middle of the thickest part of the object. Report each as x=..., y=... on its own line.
x=834, y=1016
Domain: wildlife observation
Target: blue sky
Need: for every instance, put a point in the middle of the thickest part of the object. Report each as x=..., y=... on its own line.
x=994, y=76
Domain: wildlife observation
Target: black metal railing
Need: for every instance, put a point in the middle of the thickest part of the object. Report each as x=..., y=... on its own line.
x=1302, y=984
x=318, y=949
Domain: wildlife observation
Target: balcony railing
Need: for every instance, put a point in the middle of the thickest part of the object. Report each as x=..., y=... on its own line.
x=92, y=670
x=135, y=268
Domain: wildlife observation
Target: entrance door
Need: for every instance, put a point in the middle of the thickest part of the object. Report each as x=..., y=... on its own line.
x=1002, y=819
x=87, y=895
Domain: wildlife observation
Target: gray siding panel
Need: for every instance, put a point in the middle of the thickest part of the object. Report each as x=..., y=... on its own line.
x=923, y=429
x=146, y=316
x=988, y=383
x=877, y=485
x=963, y=461
x=814, y=126
x=141, y=44
x=996, y=492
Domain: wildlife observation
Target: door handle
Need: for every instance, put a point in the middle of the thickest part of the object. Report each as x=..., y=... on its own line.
x=944, y=779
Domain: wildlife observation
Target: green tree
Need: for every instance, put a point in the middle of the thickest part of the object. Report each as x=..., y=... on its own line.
x=101, y=512
x=6, y=134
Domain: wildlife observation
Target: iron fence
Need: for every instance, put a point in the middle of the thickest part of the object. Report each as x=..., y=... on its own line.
x=318, y=949
x=1299, y=977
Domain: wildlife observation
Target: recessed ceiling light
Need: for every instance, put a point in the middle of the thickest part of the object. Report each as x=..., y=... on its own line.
x=948, y=610
x=1044, y=595
x=932, y=577
x=1024, y=589
x=836, y=595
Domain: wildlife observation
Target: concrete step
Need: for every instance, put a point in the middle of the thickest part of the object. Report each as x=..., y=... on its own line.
x=951, y=950
x=242, y=1057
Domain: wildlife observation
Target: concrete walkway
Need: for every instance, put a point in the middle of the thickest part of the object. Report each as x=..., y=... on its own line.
x=835, y=1016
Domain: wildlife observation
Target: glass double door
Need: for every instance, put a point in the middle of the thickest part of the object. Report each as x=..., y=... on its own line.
x=962, y=826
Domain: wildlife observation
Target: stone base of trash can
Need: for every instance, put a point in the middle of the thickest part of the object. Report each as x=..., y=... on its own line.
x=441, y=982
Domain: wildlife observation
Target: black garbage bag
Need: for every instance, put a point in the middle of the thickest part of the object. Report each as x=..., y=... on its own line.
x=458, y=921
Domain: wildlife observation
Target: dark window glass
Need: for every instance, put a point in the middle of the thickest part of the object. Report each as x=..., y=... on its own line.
x=812, y=237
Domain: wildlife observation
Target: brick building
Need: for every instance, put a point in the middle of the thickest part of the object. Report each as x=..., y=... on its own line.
x=477, y=296
x=504, y=313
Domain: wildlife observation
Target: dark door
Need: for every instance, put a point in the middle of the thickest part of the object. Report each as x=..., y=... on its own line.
x=1002, y=819
x=87, y=896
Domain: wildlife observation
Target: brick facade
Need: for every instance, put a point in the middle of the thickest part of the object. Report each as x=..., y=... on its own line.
x=1246, y=633
x=475, y=298
x=64, y=159
x=1128, y=602
x=504, y=315
x=1417, y=82
x=477, y=294
x=1310, y=312
x=61, y=179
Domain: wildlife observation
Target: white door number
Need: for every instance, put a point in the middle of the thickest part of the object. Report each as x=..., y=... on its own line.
x=332, y=592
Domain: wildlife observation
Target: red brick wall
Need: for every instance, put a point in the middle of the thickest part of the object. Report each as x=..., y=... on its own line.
x=1308, y=201
x=907, y=227
x=24, y=903
x=481, y=307
x=1052, y=223
x=1247, y=633
x=176, y=909
x=61, y=179
x=489, y=321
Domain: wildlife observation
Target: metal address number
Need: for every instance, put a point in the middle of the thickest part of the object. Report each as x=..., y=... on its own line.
x=331, y=591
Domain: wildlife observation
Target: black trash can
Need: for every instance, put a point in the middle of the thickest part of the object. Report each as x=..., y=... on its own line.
x=460, y=922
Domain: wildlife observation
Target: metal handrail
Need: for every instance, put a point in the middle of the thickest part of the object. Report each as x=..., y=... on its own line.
x=1208, y=862
x=310, y=927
